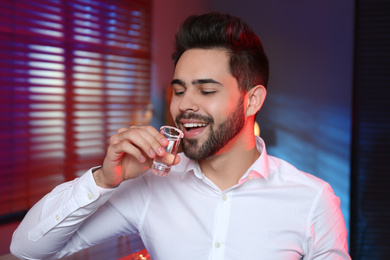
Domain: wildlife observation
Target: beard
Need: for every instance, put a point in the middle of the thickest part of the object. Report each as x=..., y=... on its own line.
x=217, y=138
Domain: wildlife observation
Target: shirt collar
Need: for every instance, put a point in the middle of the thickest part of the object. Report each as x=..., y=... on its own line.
x=259, y=169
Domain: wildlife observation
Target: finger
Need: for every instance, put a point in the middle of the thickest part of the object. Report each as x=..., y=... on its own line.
x=116, y=138
x=155, y=140
x=143, y=139
x=167, y=159
x=157, y=135
x=120, y=148
x=120, y=130
x=177, y=160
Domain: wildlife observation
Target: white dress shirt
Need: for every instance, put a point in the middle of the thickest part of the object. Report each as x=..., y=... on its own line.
x=274, y=212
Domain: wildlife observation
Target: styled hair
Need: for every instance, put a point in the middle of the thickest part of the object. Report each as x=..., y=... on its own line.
x=248, y=62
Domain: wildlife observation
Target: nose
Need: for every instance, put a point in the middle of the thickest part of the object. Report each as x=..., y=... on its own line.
x=188, y=102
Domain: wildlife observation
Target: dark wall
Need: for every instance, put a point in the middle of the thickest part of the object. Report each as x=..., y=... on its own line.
x=370, y=197
x=306, y=118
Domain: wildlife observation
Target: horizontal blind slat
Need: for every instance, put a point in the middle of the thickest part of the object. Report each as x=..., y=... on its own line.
x=71, y=73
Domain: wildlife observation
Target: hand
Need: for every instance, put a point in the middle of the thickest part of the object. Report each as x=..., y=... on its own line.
x=130, y=154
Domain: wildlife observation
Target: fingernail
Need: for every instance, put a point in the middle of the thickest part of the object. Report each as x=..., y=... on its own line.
x=152, y=153
x=164, y=141
x=161, y=150
x=142, y=158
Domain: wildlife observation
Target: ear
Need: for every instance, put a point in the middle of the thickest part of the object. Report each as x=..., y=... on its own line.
x=256, y=97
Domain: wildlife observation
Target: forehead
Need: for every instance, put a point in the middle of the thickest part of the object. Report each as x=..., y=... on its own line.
x=200, y=63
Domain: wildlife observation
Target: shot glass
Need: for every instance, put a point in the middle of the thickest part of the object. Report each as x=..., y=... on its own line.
x=173, y=135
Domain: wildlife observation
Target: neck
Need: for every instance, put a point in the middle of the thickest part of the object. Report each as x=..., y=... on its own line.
x=231, y=162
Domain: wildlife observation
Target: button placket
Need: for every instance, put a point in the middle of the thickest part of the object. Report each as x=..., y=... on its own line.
x=221, y=226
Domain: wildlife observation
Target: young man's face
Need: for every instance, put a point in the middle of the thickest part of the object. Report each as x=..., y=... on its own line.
x=206, y=103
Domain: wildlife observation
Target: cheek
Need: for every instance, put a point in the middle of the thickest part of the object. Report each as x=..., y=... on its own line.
x=229, y=105
x=220, y=110
x=173, y=108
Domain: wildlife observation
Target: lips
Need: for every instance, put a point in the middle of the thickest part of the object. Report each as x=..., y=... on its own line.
x=193, y=129
x=193, y=124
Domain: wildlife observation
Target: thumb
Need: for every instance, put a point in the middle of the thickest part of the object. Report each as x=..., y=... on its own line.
x=170, y=159
x=177, y=160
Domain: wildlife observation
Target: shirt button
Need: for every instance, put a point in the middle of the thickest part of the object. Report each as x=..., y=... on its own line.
x=57, y=217
x=90, y=196
x=224, y=197
x=217, y=245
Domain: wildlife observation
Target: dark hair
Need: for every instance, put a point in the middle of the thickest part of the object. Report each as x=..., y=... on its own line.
x=248, y=62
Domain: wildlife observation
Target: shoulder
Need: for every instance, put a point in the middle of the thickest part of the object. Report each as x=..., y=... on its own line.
x=312, y=193
x=287, y=174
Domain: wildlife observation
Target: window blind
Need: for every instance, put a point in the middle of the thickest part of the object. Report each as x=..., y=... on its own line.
x=72, y=73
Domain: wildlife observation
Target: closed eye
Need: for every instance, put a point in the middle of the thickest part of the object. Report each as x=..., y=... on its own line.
x=208, y=92
x=178, y=93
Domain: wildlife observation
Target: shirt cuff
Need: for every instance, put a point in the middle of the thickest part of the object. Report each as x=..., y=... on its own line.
x=91, y=192
x=80, y=198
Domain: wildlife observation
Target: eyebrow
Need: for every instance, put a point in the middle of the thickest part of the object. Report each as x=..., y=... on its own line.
x=177, y=82
x=195, y=82
x=205, y=81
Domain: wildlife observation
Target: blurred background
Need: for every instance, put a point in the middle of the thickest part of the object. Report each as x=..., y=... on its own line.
x=74, y=71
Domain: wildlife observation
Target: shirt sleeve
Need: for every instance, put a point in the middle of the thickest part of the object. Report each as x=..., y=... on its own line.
x=53, y=221
x=327, y=234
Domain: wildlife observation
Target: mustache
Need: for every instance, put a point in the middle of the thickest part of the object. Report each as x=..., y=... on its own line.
x=195, y=116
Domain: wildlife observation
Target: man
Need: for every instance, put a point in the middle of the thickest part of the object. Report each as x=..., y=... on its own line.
x=224, y=198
